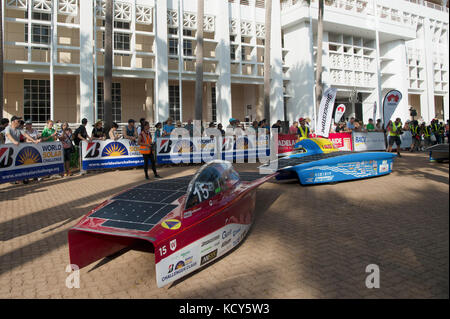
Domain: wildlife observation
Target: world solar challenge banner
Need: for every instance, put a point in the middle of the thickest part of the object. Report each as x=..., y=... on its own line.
x=110, y=154
x=28, y=160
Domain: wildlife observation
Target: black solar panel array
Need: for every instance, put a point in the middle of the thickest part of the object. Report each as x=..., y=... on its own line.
x=285, y=162
x=143, y=206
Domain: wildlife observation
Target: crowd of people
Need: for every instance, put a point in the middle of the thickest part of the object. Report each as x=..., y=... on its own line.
x=19, y=131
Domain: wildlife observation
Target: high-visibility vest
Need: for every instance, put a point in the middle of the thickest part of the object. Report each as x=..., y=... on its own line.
x=434, y=127
x=414, y=130
x=303, y=133
x=146, y=139
x=394, y=130
x=425, y=132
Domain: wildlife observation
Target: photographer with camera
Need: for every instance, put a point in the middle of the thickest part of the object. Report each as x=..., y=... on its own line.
x=395, y=130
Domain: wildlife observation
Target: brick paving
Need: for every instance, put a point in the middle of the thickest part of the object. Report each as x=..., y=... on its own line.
x=307, y=242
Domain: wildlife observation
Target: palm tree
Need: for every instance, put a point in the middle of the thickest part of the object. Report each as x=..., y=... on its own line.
x=268, y=27
x=1, y=61
x=199, y=62
x=107, y=77
x=319, y=86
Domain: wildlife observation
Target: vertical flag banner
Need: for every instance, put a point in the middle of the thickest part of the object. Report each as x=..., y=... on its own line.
x=325, y=112
x=390, y=102
x=340, y=110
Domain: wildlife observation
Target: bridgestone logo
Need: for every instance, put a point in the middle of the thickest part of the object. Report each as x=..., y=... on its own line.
x=179, y=271
x=325, y=110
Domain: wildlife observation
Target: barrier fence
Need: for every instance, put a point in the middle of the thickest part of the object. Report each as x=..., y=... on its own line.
x=30, y=160
x=34, y=160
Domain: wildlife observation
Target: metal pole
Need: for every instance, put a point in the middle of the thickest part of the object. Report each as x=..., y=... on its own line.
x=180, y=56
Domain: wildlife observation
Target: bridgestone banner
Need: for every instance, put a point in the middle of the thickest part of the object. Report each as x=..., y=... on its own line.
x=28, y=160
x=205, y=149
x=390, y=103
x=325, y=112
x=110, y=154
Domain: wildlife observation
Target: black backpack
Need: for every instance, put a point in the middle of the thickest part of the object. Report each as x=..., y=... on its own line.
x=76, y=140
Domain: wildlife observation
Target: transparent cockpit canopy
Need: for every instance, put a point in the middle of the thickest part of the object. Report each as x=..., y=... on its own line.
x=210, y=180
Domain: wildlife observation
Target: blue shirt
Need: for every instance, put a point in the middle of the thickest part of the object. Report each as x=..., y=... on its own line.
x=350, y=125
x=168, y=128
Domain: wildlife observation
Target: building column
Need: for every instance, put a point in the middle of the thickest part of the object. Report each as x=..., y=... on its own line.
x=162, y=74
x=276, y=61
x=86, y=62
x=395, y=51
x=427, y=102
x=301, y=72
x=148, y=107
x=223, y=85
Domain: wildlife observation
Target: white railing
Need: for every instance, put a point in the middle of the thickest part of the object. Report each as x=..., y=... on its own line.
x=429, y=5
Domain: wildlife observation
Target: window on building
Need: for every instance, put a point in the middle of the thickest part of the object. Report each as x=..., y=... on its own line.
x=36, y=100
x=173, y=47
x=40, y=33
x=213, y=104
x=187, y=47
x=243, y=56
x=173, y=31
x=233, y=52
x=121, y=39
x=174, y=102
x=116, y=102
x=187, y=44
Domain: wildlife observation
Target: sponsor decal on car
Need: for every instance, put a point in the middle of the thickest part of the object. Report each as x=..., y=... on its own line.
x=210, y=240
x=208, y=257
x=171, y=224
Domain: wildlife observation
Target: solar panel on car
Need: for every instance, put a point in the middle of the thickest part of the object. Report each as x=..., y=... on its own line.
x=143, y=206
x=285, y=162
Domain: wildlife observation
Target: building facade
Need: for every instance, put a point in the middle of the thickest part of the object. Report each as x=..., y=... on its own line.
x=53, y=58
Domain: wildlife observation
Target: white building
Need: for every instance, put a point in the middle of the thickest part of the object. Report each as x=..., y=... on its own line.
x=53, y=51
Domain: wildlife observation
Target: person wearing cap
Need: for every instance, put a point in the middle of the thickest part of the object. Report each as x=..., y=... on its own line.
x=30, y=130
x=130, y=131
x=13, y=132
x=232, y=124
x=436, y=129
x=395, y=130
x=303, y=130
x=98, y=132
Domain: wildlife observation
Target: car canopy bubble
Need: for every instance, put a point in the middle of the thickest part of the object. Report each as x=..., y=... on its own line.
x=210, y=180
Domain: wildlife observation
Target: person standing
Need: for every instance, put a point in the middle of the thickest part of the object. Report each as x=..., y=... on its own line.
x=395, y=130
x=415, y=134
x=145, y=143
x=370, y=127
x=426, y=131
x=437, y=131
x=113, y=135
x=49, y=133
x=31, y=131
x=13, y=132
x=130, y=131
x=98, y=132
x=66, y=139
x=303, y=130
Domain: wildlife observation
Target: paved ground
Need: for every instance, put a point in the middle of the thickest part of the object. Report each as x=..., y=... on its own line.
x=307, y=242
